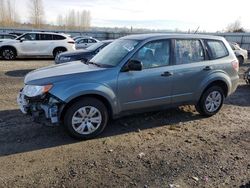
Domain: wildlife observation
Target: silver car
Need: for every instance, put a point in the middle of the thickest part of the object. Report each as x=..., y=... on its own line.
x=85, y=42
x=241, y=54
x=133, y=74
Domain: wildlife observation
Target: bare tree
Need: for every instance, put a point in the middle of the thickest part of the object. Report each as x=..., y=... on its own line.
x=75, y=20
x=36, y=11
x=60, y=20
x=8, y=14
x=71, y=19
x=85, y=19
x=235, y=27
x=2, y=13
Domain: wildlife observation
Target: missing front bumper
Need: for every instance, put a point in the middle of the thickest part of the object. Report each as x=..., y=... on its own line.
x=48, y=107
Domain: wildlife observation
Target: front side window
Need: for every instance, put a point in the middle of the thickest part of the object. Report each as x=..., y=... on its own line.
x=154, y=54
x=91, y=41
x=114, y=53
x=30, y=36
x=188, y=51
x=217, y=49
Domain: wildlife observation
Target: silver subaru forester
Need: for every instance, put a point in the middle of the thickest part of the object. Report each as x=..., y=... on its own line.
x=133, y=74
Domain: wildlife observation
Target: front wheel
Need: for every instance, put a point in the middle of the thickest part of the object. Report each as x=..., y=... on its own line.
x=8, y=54
x=211, y=101
x=86, y=118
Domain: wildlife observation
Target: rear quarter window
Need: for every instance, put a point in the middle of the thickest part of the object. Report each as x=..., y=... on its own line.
x=58, y=37
x=217, y=49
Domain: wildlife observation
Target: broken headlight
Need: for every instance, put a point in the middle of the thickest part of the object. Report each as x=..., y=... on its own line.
x=34, y=91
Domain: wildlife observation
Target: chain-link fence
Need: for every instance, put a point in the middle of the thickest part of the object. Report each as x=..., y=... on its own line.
x=243, y=39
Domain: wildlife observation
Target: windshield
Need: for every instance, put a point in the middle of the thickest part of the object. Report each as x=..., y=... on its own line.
x=112, y=55
x=95, y=46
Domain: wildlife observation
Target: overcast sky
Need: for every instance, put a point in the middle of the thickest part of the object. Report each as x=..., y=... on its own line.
x=210, y=15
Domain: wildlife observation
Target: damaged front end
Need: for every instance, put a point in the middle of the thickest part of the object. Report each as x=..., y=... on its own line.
x=40, y=107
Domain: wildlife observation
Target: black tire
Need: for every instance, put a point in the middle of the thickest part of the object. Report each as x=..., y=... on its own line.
x=72, y=112
x=201, y=105
x=8, y=53
x=57, y=51
x=241, y=60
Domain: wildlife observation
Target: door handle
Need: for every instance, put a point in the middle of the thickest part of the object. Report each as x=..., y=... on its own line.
x=167, y=74
x=208, y=68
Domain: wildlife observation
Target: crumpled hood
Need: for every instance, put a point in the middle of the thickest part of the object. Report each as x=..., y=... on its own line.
x=59, y=72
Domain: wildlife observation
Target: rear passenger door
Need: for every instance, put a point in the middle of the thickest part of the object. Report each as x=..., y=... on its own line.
x=191, y=67
x=45, y=44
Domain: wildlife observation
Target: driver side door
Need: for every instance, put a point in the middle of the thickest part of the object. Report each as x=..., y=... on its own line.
x=152, y=86
x=29, y=44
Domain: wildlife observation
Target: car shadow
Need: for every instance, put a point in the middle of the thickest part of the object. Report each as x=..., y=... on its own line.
x=19, y=134
x=241, y=97
x=18, y=73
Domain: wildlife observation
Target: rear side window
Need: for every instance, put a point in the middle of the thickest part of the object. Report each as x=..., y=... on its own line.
x=217, y=49
x=58, y=37
x=188, y=51
x=45, y=37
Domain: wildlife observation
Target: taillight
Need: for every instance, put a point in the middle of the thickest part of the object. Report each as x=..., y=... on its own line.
x=71, y=42
x=235, y=65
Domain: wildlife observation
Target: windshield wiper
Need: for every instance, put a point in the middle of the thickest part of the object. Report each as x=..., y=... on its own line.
x=93, y=63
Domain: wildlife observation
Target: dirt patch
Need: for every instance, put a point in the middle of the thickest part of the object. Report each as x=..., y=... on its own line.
x=172, y=148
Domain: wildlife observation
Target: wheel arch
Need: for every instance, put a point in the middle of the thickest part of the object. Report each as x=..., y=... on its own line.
x=59, y=47
x=9, y=46
x=217, y=82
x=103, y=99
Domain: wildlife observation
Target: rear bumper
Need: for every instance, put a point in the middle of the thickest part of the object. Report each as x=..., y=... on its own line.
x=235, y=83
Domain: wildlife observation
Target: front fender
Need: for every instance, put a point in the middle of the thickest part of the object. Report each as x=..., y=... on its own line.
x=216, y=76
x=77, y=90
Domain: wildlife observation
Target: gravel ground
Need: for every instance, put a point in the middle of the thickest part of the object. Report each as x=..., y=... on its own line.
x=172, y=148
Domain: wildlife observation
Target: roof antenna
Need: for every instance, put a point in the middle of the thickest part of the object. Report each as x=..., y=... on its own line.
x=197, y=30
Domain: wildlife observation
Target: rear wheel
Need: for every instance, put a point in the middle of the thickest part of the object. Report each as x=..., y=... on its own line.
x=57, y=51
x=8, y=54
x=240, y=59
x=211, y=101
x=86, y=118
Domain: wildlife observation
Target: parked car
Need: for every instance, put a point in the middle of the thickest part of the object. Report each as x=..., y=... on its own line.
x=77, y=37
x=247, y=76
x=85, y=42
x=133, y=74
x=36, y=44
x=82, y=55
x=5, y=37
x=241, y=54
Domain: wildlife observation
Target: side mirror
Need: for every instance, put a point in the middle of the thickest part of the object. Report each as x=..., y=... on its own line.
x=134, y=65
x=22, y=39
